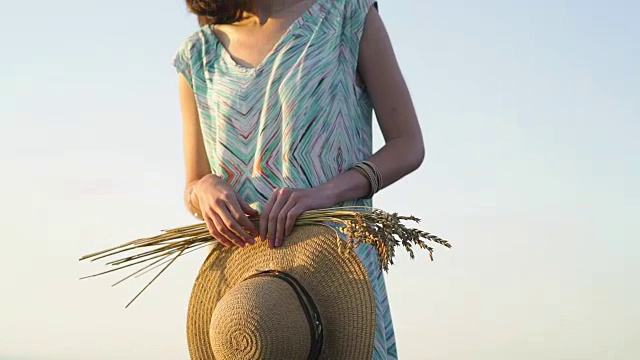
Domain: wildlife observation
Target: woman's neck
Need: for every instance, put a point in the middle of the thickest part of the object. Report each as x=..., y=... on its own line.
x=261, y=10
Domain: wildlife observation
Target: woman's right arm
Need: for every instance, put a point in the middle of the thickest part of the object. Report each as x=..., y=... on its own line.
x=207, y=195
x=195, y=156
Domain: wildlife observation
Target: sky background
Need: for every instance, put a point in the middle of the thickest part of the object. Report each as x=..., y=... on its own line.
x=531, y=116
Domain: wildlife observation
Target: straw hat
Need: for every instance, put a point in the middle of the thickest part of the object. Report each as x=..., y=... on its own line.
x=293, y=302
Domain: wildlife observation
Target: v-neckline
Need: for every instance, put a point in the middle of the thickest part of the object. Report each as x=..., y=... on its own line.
x=254, y=69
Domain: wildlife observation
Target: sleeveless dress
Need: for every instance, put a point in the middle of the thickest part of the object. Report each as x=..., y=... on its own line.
x=296, y=120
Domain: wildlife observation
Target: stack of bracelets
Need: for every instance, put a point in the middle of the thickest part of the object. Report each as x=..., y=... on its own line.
x=371, y=172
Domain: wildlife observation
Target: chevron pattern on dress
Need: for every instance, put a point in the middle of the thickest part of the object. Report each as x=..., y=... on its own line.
x=296, y=120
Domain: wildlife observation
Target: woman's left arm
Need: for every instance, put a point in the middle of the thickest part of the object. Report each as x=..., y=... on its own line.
x=402, y=153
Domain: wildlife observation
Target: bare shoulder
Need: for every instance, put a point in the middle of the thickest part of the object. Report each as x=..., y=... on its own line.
x=375, y=35
x=380, y=71
x=377, y=62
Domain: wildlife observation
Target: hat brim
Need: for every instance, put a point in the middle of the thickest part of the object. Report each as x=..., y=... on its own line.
x=339, y=285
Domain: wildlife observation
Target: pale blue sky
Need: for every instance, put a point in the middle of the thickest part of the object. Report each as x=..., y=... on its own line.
x=531, y=115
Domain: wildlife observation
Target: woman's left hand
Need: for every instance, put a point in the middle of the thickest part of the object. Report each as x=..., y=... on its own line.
x=284, y=207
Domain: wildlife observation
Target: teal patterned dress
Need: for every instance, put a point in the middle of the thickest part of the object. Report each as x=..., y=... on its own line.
x=295, y=120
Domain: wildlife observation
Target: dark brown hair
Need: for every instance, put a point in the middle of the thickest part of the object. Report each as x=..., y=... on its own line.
x=217, y=11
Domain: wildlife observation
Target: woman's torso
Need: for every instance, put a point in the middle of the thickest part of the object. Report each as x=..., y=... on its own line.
x=295, y=119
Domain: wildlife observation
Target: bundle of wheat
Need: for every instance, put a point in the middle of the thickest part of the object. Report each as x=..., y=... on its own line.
x=368, y=225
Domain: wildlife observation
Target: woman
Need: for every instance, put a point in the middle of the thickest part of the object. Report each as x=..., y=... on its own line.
x=277, y=99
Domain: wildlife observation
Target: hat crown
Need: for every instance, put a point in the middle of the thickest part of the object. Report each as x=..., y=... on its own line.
x=260, y=318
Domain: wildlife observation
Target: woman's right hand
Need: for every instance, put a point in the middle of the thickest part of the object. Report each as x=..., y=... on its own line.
x=224, y=212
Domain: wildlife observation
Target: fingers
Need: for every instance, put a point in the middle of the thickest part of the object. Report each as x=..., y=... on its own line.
x=214, y=232
x=246, y=209
x=225, y=230
x=273, y=216
x=292, y=216
x=230, y=217
x=229, y=222
x=281, y=212
x=283, y=217
x=240, y=224
x=240, y=210
x=264, y=218
x=225, y=213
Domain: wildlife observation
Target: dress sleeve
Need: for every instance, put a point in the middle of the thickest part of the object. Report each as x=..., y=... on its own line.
x=365, y=5
x=185, y=59
x=359, y=11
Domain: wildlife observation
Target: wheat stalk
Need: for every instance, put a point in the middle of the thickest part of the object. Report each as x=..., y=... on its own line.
x=383, y=230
